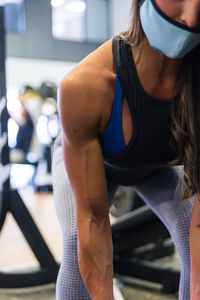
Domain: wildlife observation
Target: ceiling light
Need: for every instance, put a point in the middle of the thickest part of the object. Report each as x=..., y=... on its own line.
x=57, y=3
x=75, y=7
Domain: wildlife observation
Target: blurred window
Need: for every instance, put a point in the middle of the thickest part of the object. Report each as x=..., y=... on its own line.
x=15, y=16
x=80, y=20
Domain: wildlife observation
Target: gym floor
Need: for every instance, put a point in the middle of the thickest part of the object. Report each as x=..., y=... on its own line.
x=16, y=254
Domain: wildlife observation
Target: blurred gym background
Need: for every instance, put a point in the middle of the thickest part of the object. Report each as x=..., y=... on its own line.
x=44, y=39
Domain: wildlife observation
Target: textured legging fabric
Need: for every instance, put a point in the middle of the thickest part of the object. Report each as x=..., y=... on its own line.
x=158, y=191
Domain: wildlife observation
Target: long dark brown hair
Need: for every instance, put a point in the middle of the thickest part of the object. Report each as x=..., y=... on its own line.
x=186, y=120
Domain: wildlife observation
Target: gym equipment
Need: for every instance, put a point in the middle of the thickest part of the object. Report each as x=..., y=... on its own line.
x=10, y=201
x=48, y=126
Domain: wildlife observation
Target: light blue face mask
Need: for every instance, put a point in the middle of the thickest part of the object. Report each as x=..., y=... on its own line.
x=164, y=34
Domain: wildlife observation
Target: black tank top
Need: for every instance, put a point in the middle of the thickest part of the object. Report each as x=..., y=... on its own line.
x=150, y=146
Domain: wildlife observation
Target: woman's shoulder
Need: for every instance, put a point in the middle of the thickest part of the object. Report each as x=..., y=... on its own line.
x=90, y=85
x=94, y=73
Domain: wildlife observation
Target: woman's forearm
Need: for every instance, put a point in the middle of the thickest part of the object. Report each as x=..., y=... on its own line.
x=95, y=253
x=195, y=251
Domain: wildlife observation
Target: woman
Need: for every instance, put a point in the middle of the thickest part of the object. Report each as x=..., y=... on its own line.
x=130, y=115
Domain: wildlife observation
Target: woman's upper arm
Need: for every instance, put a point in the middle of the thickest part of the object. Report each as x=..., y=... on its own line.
x=83, y=158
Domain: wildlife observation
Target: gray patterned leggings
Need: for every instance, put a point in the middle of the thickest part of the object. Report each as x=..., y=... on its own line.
x=158, y=193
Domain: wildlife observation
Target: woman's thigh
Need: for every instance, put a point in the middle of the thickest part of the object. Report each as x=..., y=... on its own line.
x=162, y=193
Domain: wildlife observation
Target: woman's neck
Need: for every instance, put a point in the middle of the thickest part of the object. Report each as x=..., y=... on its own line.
x=159, y=75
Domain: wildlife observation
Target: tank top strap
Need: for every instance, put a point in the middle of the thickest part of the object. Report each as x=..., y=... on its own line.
x=125, y=69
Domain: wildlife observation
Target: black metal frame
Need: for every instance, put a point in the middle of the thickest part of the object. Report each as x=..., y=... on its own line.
x=48, y=266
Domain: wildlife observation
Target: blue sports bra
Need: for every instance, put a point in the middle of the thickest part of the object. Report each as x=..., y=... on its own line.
x=112, y=140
